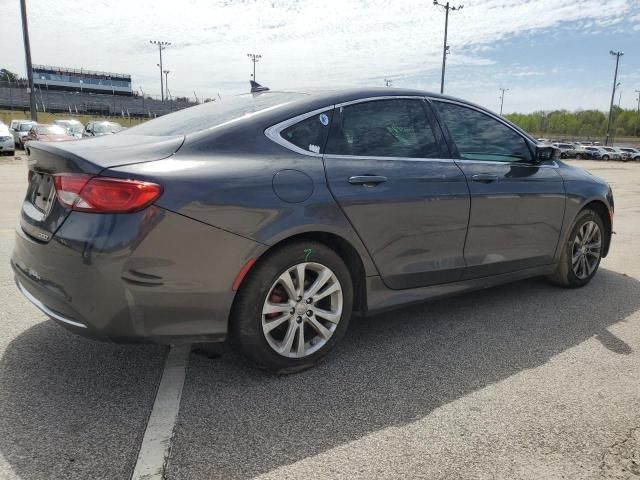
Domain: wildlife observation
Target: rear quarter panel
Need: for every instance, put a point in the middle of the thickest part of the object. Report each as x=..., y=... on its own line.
x=226, y=179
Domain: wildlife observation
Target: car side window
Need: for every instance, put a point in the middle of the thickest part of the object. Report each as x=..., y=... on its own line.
x=481, y=137
x=383, y=128
x=311, y=133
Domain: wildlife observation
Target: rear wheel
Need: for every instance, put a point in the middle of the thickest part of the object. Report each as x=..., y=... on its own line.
x=578, y=156
x=605, y=158
x=582, y=252
x=293, y=308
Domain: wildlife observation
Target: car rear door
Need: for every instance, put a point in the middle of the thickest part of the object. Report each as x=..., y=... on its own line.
x=388, y=168
x=517, y=205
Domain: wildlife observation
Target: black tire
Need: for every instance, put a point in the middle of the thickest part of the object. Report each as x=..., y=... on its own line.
x=605, y=158
x=246, y=319
x=578, y=156
x=564, y=274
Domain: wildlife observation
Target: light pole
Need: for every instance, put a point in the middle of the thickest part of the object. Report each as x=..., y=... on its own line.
x=638, y=119
x=502, y=98
x=445, y=48
x=161, y=46
x=613, y=93
x=255, y=58
x=166, y=82
x=27, y=54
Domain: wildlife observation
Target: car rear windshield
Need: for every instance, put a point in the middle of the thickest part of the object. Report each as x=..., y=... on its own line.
x=212, y=114
x=107, y=127
x=50, y=130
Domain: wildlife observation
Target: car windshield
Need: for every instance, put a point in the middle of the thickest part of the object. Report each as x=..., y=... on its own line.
x=107, y=127
x=213, y=114
x=73, y=128
x=25, y=127
x=50, y=130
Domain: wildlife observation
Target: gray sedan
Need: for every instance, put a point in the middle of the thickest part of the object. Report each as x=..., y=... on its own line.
x=270, y=218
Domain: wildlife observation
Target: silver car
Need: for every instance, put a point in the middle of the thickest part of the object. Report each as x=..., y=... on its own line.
x=73, y=127
x=632, y=153
x=7, y=144
x=20, y=129
x=567, y=150
x=610, y=153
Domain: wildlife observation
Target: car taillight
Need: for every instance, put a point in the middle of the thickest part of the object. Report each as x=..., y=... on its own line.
x=87, y=193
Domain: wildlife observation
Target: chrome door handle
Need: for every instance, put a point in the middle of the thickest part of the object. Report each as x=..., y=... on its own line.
x=484, y=178
x=367, y=180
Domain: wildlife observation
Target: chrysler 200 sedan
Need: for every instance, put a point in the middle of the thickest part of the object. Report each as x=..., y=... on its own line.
x=270, y=218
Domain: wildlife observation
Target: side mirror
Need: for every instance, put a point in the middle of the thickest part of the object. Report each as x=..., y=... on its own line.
x=545, y=154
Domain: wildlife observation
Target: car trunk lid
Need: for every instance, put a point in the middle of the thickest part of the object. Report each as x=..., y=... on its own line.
x=42, y=214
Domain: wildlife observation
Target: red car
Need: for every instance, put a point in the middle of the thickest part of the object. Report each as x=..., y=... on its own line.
x=48, y=133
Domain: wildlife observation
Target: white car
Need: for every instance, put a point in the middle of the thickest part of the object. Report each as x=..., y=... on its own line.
x=632, y=153
x=610, y=153
x=20, y=129
x=73, y=127
x=7, y=144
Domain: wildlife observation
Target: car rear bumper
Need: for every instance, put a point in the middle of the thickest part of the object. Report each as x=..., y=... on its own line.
x=153, y=276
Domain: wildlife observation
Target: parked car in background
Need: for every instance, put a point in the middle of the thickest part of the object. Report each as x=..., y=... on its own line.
x=73, y=127
x=7, y=143
x=47, y=133
x=610, y=153
x=100, y=128
x=586, y=153
x=268, y=219
x=20, y=130
x=633, y=153
x=567, y=150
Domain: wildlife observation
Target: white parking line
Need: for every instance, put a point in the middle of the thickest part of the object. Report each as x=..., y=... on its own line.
x=156, y=443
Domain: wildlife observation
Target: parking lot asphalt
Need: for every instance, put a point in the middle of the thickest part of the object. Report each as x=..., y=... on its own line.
x=526, y=380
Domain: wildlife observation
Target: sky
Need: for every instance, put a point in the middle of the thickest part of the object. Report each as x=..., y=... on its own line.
x=550, y=54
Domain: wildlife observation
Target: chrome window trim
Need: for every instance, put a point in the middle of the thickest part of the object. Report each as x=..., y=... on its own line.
x=41, y=306
x=273, y=132
x=373, y=157
x=515, y=164
x=385, y=97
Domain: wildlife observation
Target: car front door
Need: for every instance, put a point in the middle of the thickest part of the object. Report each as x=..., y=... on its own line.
x=517, y=205
x=388, y=168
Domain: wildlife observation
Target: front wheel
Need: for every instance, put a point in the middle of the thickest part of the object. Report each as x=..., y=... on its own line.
x=293, y=308
x=582, y=252
x=578, y=156
x=605, y=158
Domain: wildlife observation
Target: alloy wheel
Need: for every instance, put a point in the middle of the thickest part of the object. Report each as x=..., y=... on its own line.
x=302, y=310
x=586, y=249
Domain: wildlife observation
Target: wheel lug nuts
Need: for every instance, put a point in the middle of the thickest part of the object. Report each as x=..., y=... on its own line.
x=308, y=300
x=299, y=319
x=309, y=313
x=293, y=310
x=299, y=298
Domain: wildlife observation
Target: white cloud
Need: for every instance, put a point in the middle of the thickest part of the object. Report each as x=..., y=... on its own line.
x=304, y=42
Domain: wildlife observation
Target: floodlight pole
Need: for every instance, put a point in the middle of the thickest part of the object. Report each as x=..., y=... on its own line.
x=613, y=93
x=638, y=119
x=27, y=54
x=161, y=46
x=502, y=98
x=445, y=47
x=166, y=82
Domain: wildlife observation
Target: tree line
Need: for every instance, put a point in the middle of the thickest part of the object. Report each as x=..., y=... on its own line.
x=581, y=124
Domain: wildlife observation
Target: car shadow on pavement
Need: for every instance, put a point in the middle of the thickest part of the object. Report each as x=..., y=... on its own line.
x=72, y=407
x=390, y=370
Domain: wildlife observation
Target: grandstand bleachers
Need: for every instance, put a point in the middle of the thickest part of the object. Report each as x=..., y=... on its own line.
x=89, y=103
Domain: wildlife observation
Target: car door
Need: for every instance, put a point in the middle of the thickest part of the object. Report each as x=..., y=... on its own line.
x=387, y=168
x=517, y=205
